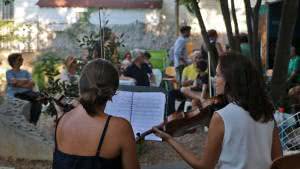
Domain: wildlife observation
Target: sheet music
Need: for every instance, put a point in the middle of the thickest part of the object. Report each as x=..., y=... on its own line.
x=120, y=105
x=147, y=111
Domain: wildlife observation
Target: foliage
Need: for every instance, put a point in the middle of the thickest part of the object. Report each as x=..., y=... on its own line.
x=45, y=75
x=27, y=38
x=9, y=29
x=102, y=43
x=188, y=4
x=46, y=69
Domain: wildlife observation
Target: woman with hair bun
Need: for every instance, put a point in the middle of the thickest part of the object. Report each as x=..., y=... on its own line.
x=87, y=137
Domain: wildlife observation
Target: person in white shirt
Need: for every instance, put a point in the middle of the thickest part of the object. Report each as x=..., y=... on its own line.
x=242, y=135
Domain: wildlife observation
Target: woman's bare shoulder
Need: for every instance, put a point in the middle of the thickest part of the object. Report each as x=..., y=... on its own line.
x=121, y=124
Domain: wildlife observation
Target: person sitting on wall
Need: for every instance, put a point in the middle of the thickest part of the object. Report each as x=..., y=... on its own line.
x=69, y=73
x=20, y=85
x=244, y=45
x=139, y=70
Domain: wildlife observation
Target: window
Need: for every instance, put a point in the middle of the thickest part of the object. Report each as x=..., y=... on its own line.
x=6, y=9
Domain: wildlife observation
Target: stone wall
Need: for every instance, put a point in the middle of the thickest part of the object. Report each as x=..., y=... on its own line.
x=19, y=138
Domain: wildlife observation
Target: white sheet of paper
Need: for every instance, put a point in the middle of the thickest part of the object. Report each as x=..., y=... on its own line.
x=120, y=105
x=147, y=111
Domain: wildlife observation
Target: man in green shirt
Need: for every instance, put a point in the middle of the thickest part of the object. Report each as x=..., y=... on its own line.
x=294, y=68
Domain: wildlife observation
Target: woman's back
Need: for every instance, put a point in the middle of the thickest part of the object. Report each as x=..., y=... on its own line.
x=87, y=142
x=247, y=144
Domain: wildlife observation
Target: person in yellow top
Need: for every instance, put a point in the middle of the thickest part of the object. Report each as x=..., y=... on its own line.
x=190, y=73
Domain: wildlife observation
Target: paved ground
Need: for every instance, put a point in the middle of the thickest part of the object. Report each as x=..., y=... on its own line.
x=174, y=165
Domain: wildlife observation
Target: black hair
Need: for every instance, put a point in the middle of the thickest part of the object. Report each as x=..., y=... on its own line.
x=12, y=58
x=245, y=86
x=147, y=55
x=243, y=37
x=184, y=29
x=202, y=65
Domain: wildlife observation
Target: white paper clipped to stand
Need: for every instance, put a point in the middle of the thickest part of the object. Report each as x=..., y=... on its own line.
x=142, y=109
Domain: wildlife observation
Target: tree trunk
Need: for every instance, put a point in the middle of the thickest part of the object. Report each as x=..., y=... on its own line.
x=236, y=25
x=249, y=23
x=286, y=31
x=234, y=18
x=227, y=20
x=204, y=34
x=177, y=16
x=256, y=46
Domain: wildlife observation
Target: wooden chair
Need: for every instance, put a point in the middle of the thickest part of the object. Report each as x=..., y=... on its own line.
x=287, y=162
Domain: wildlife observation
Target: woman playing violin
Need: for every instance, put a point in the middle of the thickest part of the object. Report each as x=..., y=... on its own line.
x=242, y=135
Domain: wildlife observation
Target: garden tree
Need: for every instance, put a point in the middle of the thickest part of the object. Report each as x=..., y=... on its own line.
x=193, y=7
x=252, y=18
x=234, y=18
x=287, y=24
x=227, y=19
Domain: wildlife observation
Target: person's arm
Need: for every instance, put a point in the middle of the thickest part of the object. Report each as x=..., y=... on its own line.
x=190, y=94
x=212, y=150
x=128, y=147
x=22, y=83
x=276, y=145
x=204, y=92
x=122, y=77
x=127, y=75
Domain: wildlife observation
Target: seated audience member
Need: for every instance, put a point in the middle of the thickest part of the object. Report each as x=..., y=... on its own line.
x=20, y=84
x=69, y=73
x=244, y=45
x=190, y=72
x=199, y=90
x=217, y=49
x=294, y=68
x=139, y=70
x=243, y=134
x=87, y=137
x=147, y=59
x=189, y=75
x=126, y=62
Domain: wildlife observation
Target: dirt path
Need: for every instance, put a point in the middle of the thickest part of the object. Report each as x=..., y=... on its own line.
x=153, y=154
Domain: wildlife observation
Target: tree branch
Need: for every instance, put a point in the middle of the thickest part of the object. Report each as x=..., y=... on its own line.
x=204, y=34
x=227, y=20
x=249, y=24
x=285, y=37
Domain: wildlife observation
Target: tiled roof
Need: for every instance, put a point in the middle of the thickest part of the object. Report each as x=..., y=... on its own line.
x=133, y=4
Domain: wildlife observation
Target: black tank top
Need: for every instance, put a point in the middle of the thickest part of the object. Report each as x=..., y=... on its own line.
x=62, y=160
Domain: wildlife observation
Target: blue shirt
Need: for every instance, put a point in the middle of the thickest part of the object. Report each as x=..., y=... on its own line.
x=179, y=50
x=20, y=75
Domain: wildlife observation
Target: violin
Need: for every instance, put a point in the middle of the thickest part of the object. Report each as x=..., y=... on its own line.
x=181, y=123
